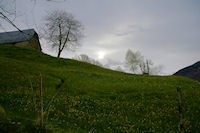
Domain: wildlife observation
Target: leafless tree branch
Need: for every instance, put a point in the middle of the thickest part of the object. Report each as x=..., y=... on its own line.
x=62, y=30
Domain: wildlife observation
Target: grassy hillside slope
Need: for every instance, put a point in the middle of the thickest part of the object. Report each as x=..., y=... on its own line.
x=80, y=97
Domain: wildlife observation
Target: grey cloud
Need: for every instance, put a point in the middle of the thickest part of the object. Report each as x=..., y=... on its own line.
x=129, y=30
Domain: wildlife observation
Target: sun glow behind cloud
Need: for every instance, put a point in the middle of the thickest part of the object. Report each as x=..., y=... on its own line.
x=101, y=54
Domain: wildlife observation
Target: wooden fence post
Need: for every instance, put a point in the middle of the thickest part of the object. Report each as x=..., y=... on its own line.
x=41, y=102
x=180, y=109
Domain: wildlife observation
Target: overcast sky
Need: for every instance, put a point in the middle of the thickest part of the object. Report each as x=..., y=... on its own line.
x=165, y=31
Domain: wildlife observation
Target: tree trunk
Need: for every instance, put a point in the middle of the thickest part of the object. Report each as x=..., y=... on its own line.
x=147, y=66
x=59, y=52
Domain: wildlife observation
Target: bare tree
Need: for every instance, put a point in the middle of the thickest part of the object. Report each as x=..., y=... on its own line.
x=8, y=11
x=136, y=62
x=62, y=30
x=8, y=7
x=119, y=69
x=85, y=58
x=145, y=67
x=133, y=60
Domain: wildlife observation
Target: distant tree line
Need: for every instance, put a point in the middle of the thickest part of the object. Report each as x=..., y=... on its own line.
x=86, y=58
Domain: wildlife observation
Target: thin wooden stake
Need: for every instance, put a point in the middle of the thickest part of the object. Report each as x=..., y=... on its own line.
x=41, y=102
x=180, y=109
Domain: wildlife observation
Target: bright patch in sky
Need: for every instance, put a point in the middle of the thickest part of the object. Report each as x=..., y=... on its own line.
x=101, y=54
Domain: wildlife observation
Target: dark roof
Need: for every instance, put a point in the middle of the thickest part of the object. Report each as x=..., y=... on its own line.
x=16, y=36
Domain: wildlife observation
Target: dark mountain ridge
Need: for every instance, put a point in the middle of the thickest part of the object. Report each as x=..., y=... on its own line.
x=192, y=71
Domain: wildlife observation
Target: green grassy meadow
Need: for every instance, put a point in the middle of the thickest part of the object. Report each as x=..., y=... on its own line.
x=80, y=97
